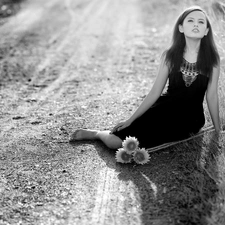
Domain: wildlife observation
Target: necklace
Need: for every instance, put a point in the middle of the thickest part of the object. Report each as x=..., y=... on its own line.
x=189, y=72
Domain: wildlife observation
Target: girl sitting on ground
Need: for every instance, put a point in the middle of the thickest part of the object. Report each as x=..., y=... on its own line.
x=192, y=66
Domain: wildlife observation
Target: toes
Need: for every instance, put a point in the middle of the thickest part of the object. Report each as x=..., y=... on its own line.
x=74, y=136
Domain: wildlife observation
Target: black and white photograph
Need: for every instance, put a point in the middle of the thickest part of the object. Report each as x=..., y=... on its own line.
x=112, y=112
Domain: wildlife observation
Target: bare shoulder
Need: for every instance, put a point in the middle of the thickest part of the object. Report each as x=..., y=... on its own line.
x=163, y=58
x=161, y=77
x=164, y=64
x=216, y=70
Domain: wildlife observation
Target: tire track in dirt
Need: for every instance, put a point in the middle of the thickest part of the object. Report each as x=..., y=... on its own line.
x=63, y=55
x=76, y=30
x=110, y=31
x=21, y=25
x=114, y=198
x=108, y=202
x=53, y=91
x=109, y=205
x=55, y=56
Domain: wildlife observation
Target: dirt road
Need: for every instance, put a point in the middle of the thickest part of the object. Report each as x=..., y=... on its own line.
x=70, y=64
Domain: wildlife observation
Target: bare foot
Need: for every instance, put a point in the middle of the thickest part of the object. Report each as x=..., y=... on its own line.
x=82, y=134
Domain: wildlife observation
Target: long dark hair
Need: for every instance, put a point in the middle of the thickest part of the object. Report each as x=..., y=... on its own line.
x=208, y=56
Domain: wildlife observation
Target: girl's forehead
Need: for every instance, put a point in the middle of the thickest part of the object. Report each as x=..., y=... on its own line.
x=197, y=14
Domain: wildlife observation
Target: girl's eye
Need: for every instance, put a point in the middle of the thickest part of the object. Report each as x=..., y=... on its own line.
x=190, y=20
x=202, y=22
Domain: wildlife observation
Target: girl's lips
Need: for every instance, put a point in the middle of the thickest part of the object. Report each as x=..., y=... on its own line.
x=195, y=30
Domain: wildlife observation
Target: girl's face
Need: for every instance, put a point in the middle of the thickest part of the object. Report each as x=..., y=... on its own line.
x=194, y=25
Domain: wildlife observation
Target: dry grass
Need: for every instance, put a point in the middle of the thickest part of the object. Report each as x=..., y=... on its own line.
x=212, y=160
x=216, y=164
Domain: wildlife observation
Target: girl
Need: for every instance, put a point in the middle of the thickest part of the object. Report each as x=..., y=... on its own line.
x=192, y=66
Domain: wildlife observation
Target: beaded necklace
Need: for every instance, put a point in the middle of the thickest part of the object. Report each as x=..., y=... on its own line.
x=189, y=72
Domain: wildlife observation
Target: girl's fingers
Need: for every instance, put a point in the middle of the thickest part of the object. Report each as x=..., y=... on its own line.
x=114, y=129
x=118, y=127
x=122, y=127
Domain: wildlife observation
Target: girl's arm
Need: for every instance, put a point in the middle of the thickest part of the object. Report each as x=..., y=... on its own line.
x=152, y=96
x=155, y=91
x=212, y=99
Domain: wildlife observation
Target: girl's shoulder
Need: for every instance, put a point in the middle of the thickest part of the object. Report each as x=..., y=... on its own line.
x=165, y=59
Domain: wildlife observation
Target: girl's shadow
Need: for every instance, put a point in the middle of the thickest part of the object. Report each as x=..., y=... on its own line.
x=172, y=186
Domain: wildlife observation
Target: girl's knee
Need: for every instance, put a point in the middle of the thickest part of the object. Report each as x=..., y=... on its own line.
x=114, y=142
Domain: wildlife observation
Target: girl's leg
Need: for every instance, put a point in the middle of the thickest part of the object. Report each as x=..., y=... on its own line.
x=110, y=140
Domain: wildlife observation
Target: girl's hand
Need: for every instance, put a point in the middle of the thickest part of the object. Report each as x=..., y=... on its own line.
x=121, y=126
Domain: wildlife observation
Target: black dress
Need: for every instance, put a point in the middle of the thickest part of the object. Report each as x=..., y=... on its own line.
x=176, y=115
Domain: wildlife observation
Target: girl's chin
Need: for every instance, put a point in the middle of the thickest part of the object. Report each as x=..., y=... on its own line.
x=196, y=36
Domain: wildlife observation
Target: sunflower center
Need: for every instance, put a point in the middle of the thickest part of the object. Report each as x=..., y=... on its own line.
x=140, y=157
x=125, y=156
x=131, y=146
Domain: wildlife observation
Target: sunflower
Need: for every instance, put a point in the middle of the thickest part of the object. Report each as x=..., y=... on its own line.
x=141, y=156
x=130, y=144
x=122, y=156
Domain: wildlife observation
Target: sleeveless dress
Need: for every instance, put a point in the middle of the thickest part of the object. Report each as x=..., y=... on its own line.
x=176, y=115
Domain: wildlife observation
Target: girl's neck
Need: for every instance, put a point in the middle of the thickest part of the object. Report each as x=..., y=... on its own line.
x=191, y=50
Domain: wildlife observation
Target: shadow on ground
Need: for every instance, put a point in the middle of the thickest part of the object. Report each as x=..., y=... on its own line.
x=173, y=188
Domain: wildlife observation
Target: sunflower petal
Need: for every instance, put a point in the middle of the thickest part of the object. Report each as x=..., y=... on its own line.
x=130, y=144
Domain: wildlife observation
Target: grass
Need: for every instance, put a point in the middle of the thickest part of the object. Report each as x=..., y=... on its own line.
x=216, y=163
x=211, y=164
